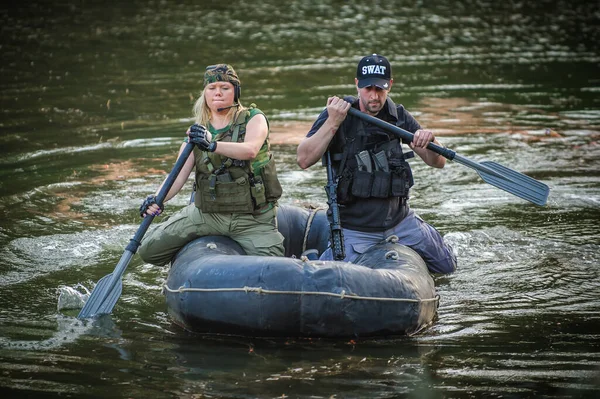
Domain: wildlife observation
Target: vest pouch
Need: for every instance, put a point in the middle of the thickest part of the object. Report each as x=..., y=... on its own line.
x=273, y=190
x=344, y=187
x=258, y=193
x=362, y=183
x=401, y=181
x=381, y=184
x=231, y=197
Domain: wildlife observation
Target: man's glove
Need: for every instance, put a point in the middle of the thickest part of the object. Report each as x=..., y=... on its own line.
x=148, y=202
x=198, y=136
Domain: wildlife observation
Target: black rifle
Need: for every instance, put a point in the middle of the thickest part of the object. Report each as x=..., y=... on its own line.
x=337, y=236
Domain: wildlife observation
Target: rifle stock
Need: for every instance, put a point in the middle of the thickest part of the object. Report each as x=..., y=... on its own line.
x=337, y=236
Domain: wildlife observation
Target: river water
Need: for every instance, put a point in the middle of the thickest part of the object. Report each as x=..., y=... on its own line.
x=96, y=98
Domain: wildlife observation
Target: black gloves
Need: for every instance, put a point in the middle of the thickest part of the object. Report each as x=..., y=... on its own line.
x=151, y=199
x=198, y=136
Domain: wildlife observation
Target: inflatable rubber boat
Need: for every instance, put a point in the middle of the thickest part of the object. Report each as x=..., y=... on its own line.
x=213, y=287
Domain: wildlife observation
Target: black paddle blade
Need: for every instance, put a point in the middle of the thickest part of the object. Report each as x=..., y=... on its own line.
x=515, y=183
x=103, y=298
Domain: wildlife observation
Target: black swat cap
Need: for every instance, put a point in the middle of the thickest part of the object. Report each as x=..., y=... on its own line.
x=374, y=70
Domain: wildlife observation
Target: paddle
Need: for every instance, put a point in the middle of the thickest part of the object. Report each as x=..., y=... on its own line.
x=491, y=172
x=108, y=290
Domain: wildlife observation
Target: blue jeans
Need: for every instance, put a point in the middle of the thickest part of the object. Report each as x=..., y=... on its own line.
x=413, y=232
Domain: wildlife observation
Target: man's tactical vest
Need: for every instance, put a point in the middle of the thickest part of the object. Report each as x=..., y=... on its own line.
x=368, y=165
x=226, y=185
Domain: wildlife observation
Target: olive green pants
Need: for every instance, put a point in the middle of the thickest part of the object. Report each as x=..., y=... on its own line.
x=256, y=234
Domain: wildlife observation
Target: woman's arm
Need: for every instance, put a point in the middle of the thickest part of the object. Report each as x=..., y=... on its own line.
x=257, y=130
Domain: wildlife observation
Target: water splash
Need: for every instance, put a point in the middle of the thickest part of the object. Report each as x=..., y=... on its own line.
x=72, y=297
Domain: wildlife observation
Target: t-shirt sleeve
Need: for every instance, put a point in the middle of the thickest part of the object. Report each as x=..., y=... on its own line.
x=318, y=123
x=406, y=121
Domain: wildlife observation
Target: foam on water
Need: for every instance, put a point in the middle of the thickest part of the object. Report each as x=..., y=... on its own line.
x=72, y=297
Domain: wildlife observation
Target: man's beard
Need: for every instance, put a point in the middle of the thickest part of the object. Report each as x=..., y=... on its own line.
x=373, y=107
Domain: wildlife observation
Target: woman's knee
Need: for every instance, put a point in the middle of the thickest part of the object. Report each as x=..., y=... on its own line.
x=159, y=248
x=153, y=257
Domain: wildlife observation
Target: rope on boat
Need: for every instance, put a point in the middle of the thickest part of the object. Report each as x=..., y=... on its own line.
x=311, y=216
x=393, y=239
x=260, y=291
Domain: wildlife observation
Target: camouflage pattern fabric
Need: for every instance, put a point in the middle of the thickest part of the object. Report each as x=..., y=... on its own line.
x=221, y=73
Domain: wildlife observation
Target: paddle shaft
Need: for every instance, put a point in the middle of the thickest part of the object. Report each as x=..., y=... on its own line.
x=504, y=178
x=96, y=302
x=160, y=198
x=406, y=135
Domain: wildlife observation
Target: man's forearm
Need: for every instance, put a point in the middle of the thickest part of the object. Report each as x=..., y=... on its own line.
x=431, y=158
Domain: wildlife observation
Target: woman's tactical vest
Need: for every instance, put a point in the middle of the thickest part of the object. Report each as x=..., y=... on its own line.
x=227, y=185
x=370, y=166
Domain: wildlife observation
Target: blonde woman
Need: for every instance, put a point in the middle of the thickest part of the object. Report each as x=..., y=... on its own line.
x=235, y=177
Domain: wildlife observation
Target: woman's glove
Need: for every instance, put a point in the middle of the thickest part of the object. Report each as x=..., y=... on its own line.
x=197, y=135
x=148, y=202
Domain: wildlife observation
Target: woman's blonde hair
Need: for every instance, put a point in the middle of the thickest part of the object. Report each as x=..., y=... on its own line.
x=202, y=113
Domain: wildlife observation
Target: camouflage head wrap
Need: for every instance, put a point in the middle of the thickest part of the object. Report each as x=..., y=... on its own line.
x=221, y=73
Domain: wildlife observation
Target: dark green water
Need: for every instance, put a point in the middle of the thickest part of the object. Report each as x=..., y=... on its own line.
x=96, y=97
